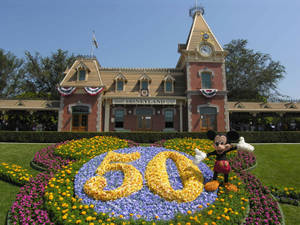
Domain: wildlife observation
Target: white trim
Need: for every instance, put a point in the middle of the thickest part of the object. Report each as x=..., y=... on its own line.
x=213, y=34
x=98, y=72
x=207, y=105
x=107, y=116
x=191, y=31
x=206, y=70
x=60, y=114
x=68, y=73
x=99, y=113
x=78, y=104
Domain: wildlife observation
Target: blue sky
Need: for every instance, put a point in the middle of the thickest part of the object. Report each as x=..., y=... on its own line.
x=139, y=33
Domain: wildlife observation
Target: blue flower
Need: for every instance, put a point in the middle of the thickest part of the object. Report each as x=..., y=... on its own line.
x=143, y=202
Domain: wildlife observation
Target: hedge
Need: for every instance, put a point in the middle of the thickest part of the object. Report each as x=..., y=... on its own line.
x=142, y=137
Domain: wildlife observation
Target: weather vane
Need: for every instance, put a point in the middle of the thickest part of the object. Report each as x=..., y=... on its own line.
x=196, y=9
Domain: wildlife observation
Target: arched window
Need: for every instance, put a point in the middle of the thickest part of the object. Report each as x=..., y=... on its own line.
x=208, y=118
x=80, y=118
x=206, y=80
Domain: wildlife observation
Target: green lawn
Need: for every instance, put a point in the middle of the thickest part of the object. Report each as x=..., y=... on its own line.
x=277, y=165
x=20, y=154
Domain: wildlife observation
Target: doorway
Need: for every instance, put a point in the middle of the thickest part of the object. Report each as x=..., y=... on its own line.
x=80, y=118
x=144, y=119
x=208, y=118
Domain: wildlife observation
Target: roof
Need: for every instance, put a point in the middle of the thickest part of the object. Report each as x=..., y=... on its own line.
x=133, y=77
x=93, y=76
x=199, y=27
x=21, y=104
x=264, y=107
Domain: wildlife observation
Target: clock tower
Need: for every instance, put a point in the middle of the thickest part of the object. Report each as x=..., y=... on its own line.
x=203, y=60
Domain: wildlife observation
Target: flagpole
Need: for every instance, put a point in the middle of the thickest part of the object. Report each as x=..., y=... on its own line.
x=92, y=47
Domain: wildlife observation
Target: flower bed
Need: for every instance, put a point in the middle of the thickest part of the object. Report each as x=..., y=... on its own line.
x=47, y=159
x=88, y=148
x=243, y=161
x=288, y=195
x=14, y=174
x=83, y=209
x=65, y=202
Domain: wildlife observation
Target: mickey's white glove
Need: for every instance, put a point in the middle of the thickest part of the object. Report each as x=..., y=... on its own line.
x=243, y=146
x=199, y=156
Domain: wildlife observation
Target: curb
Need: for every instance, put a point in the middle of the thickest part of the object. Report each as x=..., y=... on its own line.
x=38, y=167
x=280, y=209
x=7, y=219
x=251, y=168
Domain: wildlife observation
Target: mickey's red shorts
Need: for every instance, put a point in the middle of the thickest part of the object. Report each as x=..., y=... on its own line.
x=222, y=166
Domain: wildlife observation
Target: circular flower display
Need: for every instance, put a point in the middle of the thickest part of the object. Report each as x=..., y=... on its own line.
x=109, y=169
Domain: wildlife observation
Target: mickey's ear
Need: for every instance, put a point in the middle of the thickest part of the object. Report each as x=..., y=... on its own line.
x=232, y=136
x=211, y=134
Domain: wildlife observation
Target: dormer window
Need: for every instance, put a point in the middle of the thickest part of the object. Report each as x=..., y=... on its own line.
x=120, y=85
x=120, y=81
x=144, y=82
x=169, y=84
x=81, y=75
x=206, y=80
x=82, y=71
x=144, y=85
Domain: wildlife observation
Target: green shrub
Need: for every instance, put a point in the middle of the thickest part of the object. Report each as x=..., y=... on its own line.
x=142, y=137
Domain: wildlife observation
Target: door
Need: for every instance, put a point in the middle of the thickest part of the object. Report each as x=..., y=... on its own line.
x=144, y=118
x=79, y=122
x=208, y=118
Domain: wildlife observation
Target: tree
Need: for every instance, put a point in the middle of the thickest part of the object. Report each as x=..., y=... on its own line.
x=11, y=72
x=44, y=74
x=251, y=75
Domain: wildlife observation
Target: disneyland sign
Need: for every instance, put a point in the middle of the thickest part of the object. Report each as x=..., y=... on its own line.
x=143, y=101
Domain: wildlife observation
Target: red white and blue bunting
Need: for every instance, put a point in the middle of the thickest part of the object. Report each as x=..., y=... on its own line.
x=209, y=93
x=93, y=90
x=65, y=91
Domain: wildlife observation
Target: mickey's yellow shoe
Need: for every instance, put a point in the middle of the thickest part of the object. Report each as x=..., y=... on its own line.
x=212, y=185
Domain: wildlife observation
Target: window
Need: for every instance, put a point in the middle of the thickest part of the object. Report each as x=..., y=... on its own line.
x=208, y=110
x=119, y=118
x=120, y=85
x=169, y=85
x=81, y=75
x=169, y=118
x=80, y=109
x=80, y=118
x=144, y=85
x=206, y=80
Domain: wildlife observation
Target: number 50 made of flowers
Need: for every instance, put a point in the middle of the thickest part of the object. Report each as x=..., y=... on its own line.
x=156, y=177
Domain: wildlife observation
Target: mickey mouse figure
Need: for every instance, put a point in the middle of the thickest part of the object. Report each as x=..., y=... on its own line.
x=222, y=145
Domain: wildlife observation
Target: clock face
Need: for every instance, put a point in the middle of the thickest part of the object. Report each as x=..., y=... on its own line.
x=205, y=50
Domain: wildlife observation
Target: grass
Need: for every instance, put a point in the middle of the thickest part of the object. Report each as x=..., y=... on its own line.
x=277, y=165
x=20, y=154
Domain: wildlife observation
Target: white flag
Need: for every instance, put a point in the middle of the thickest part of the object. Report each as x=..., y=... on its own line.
x=94, y=40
